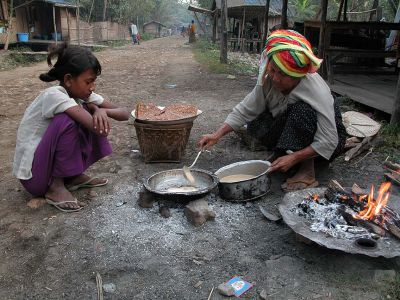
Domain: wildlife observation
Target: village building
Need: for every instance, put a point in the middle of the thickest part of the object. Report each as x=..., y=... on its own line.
x=41, y=22
x=153, y=28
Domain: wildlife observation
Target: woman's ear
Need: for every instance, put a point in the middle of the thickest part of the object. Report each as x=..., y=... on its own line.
x=68, y=80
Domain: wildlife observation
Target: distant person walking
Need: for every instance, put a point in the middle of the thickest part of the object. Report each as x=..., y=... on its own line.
x=134, y=33
x=183, y=31
x=192, y=32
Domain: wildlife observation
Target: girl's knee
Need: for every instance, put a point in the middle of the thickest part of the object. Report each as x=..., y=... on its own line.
x=63, y=119
x=63, y=123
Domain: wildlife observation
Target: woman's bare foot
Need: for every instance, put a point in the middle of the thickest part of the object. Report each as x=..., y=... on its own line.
x=57, y=192
x=304, y=177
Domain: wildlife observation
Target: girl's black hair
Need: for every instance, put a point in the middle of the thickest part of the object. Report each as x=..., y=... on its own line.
x=72, y=60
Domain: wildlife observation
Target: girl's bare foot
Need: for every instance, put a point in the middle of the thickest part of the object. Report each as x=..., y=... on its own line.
x=87, y=180
x=57, y=192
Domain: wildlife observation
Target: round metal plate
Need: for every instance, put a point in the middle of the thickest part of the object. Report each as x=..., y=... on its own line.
x=387, y=246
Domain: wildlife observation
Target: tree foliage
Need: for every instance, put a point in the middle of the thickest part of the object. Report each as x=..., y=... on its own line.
x=308, y=9
x=167, y=12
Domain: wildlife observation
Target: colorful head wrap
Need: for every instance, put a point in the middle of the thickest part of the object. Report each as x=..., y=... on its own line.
x=291, y=52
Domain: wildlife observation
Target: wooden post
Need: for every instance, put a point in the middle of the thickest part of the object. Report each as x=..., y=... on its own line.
x=68, y=26
x=54, y=23
x=374, y=14
x=340, y=10
x=266, y=15
x=243, y=30
x=322, y=32
x=322, y=28
x=77, y=23
x=395, y=118
x=9, y=25
x=200, y=24
x=90, y=11
x=345, y=10
x=104, y=10
x=223, y=57
x=214, y=31
x=284, y=21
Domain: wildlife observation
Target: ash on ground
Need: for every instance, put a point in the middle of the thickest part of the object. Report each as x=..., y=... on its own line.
x=326, y=217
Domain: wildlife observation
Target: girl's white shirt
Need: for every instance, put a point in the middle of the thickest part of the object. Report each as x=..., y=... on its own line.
x=36, y=119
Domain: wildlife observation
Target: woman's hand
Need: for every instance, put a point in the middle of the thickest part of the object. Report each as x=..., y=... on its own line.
x=101, y=123
x=207, y=141
x=283, y=163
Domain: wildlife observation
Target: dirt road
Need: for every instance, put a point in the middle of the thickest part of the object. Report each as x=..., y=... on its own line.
x=50, y=255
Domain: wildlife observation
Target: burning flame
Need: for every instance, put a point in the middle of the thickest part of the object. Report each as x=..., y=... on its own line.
x=374, y=206
x=313, y=197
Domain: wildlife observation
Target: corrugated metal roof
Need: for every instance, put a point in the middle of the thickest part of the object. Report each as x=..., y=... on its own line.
x=61, y=3
x=275, y=6
x=154, y=22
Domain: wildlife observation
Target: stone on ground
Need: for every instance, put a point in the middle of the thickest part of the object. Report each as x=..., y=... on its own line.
x=226, y=289
x=198, y=212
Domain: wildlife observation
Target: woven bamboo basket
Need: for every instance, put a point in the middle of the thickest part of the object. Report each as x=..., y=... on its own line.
x=162, y=143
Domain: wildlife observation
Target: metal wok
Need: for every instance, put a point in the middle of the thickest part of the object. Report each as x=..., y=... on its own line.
x=160, y=183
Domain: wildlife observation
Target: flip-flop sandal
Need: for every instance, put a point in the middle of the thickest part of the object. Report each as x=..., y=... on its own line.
x=307, y=185
x=86, y=184
x=63, y=209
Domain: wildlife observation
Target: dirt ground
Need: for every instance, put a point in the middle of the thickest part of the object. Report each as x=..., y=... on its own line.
x=46, y=254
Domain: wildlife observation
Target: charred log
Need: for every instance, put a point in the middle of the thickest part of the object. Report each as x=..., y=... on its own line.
x=391, y=166
x=393, y=229
x=336, y=193
x=372, y=227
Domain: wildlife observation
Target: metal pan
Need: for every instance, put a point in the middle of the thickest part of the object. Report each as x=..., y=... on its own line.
x=162, y=182
x=249, y=189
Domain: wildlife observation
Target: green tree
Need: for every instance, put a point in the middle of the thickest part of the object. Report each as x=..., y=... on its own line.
x=304, y=9
x=205, y=3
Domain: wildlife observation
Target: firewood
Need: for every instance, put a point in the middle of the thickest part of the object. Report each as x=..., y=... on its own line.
x=361, y=147
x=357, y=190
x=352, y=142
x=372, y=227
x=391, y=166
x=393, y=229
x=336, y=193
x=393, y=177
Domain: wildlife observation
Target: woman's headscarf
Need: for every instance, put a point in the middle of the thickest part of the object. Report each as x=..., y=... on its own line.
x=291, y=52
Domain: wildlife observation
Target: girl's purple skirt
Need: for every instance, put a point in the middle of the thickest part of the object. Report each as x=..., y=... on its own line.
x=66, y=149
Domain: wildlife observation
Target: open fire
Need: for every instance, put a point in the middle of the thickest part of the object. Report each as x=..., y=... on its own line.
x=374, y=207
x=351, y=214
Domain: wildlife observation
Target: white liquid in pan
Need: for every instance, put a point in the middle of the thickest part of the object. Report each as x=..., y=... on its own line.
x=236, y=178
x=182, y=189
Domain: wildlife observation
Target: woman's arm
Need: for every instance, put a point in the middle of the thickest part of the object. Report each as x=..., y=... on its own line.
x=209, y=140
x=284, y=163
